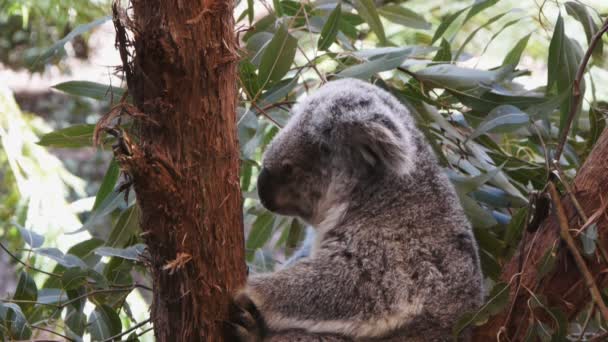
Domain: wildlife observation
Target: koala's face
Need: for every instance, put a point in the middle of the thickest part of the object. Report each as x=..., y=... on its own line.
x=292, y=179
x=344, y=135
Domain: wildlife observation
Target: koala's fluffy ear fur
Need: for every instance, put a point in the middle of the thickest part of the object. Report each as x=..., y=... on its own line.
x=378, y=145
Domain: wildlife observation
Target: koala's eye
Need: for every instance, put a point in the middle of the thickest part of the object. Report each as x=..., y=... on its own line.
x=324, y=150
x=286, y=169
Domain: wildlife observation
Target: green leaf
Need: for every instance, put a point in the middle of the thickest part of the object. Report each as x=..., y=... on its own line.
x=249, y=78
x=445, y=24
x=367, y=11
x=58, y=46
x=444, y=54
x=547, y=263
x=474, y=32
x=579, y=12
x=51, y=296
x=277, y=57
x=250, y=13
x=516, y=227
x=459, y=78
x=71, y=137
x=279, y=91
x=91, y=90
x=596, y=127
x=75, y=277
x=260, y=233
x=13, y=319
x=84, y=251
x=502, y=119
x=108, y=183
x=380, y=63
x=468, y=184
x=126, y=226
x=33, y=239
x=66, y=260
x=108, y=205
x=479, y=6
x=497, y=300
x=473, y=10
x=403, y=16
x=130, y=253
x=513, y=57
x=330, y=29
x=564, y=58
x=76, y=321
x=104, y=323
x=277, y=8
x=26, y=290
x=478, y=216
x=295, y=235
x=257, y=45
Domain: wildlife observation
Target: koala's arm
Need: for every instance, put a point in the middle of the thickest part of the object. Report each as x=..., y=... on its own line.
x=327, y=297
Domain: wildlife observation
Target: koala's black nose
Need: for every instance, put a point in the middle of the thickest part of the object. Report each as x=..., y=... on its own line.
x=265, y=189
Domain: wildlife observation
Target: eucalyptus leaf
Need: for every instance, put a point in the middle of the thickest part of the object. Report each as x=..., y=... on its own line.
x=330, y=29
x=12, y=317
x=107, y=184
x=260, y=233
x=403, y=16
x=460, y=78
x=131, y=253
x=26, y=291
x=66, y=260
x=513, y=57
x=367, y=11
x=502, y=119
x=277, y=57
x=579, y=11
x=76, y=136
x=385, y=62
x=91, y=90
x=104, y=323
x=30, y=237
x=57, y=48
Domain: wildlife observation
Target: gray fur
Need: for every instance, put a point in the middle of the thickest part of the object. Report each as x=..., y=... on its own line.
x=394, y=258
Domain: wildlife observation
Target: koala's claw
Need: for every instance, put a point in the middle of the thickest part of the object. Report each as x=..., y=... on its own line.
x=246, y=323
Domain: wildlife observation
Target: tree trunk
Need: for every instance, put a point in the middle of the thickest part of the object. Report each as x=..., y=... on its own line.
x=563, y=287
x=179, y=61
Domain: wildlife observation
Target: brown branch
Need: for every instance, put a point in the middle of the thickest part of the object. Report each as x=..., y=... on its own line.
x=576, y=90
x=564, y=279
x=133, y=328
x=28, y=266
x=52, y=332
x=580, y=262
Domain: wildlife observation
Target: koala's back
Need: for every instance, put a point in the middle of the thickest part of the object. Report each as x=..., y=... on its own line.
x=395, y=258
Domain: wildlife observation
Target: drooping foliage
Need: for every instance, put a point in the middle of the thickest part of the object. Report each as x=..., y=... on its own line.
x=471, y=72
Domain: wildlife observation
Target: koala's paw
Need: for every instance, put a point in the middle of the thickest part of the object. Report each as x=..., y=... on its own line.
x=245, y=321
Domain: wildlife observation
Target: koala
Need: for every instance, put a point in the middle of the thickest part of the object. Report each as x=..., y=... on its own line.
x=394, y=257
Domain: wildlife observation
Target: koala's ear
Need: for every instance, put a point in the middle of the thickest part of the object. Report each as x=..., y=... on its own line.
x=379, y=145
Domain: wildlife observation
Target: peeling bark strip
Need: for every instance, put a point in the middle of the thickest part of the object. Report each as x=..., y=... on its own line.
x=564, y=287
x=179, y=61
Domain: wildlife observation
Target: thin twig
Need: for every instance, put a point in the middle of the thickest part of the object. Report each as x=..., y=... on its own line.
x=52, y=332
x=576, y=89
x=133, y=328
x=586, y=323
x=266, y=115
x=599, y=338
x=26, y=264
x=580, y=262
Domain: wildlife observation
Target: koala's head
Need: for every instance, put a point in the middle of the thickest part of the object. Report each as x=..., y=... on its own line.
x=347, y=134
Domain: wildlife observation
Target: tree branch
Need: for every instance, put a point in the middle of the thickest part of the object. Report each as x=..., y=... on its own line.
x=580, y=262
x=576, y=90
